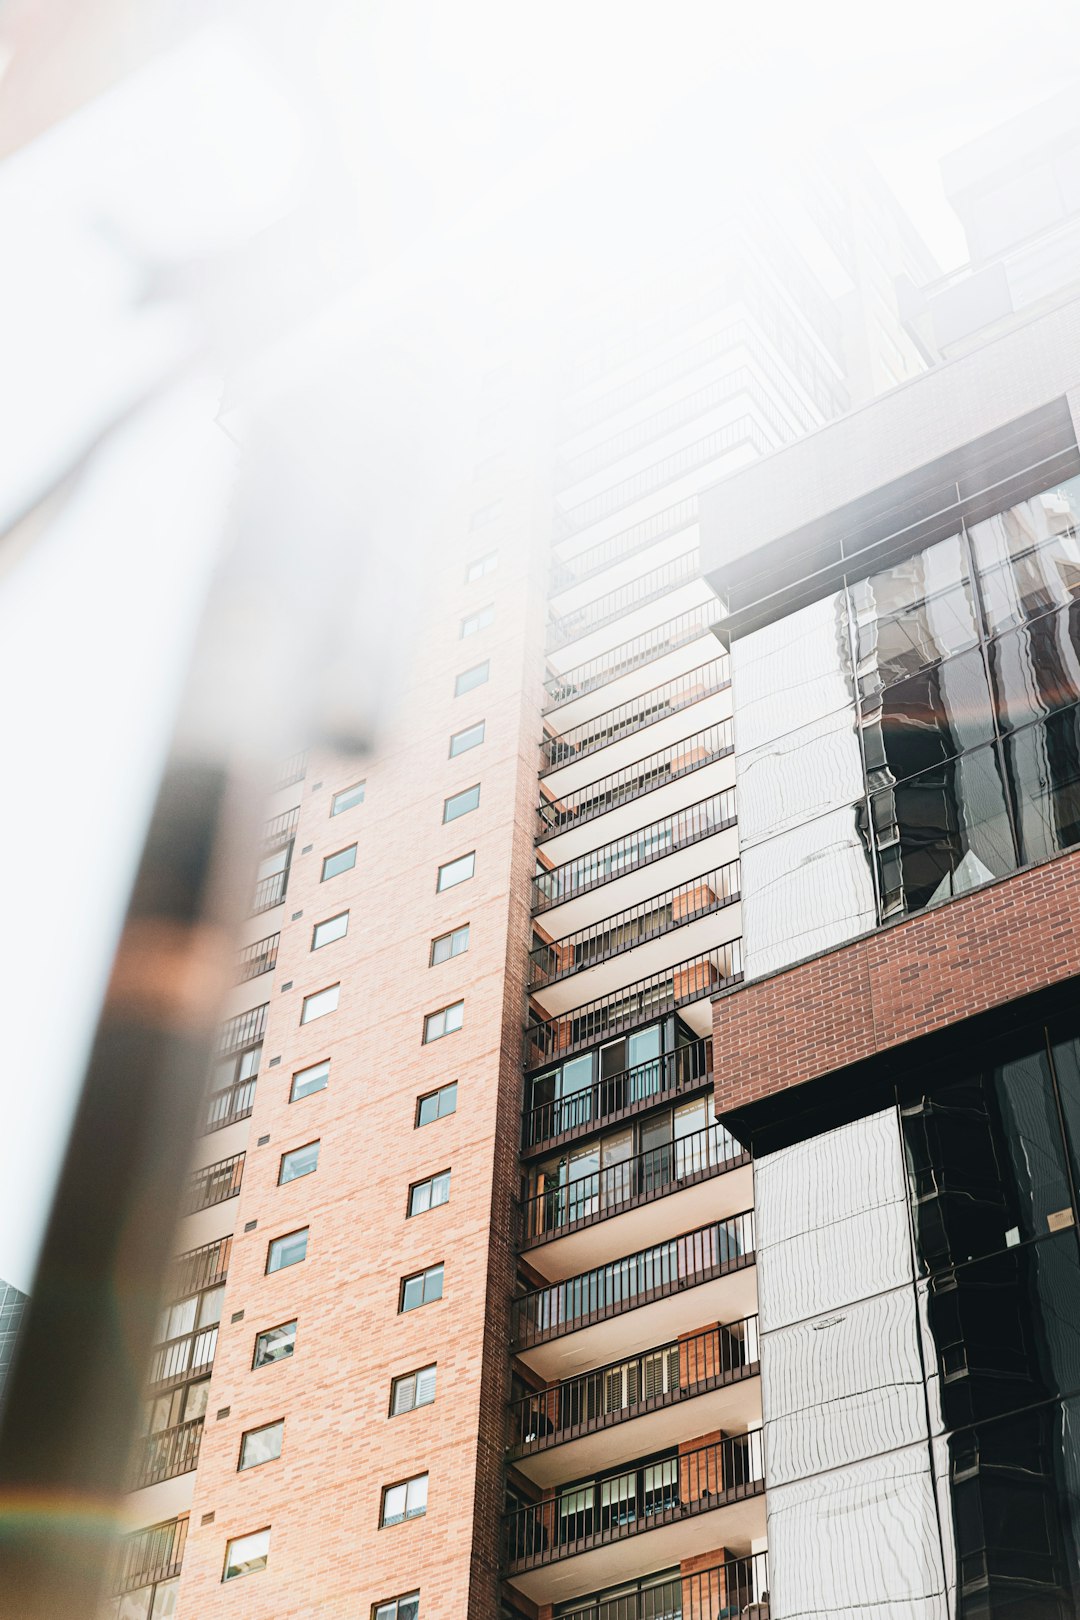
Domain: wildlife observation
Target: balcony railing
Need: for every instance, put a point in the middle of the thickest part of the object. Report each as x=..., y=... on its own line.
x=243, y=1030
x=293, y=770
x=153, y=1554
x=639, y=1003
x=269, y=892
x=258, y=958
x=634, y=850
x=735, y=1590
x=197, y=1269
x=659, y=703
x=669, y=764
x=635, y=593
x=663, y=1376
x=176, y=1361
x=627, y=543
x=214, y=1184
x=167, y=1453
x=226, y=1107
x=649, y=919
x=631, y=655
x=620, y=1096
x=654, y=1492
x=635, y=1279
x=280, y=829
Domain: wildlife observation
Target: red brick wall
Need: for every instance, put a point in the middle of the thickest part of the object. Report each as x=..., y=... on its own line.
x=905, y=981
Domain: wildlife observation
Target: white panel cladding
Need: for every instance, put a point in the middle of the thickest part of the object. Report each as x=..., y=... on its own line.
x=790, y=673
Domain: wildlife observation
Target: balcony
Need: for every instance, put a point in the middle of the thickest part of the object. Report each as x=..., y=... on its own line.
x=281, y=829
x=650, y=1286
x=199, y=1268
x=183, y=1359
x=261, y=957
x=150, y=1555
x=630, y=655
x=225, y=1107
x=580, y=805
x=624, y=930
x=604, y=610
x=214, y=1184
x=634, y=851
x=658, y=703
x=167, y=1453
x=689, y=1386
x=293, y=770
x=736, y=1589
x=627, y=543
x=661, y=1497
x=616, y=1097
x=244, y=1030
x=269, y=892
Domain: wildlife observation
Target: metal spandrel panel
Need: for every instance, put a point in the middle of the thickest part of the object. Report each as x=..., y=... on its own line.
x=791, y=673
x=806, y=891
x=798, y=777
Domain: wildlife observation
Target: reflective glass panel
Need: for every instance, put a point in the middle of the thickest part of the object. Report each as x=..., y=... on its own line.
x=1036, y=670
x=1043, y=767
x=912, y=615
x=930, y=717
x=1029, y=557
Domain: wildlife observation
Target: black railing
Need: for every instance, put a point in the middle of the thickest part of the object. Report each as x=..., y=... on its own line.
x=635, y=593
x=634, y=1004
x=634, y=850
x=227, y=1106
x=627, y=543
x=658, y=703
x=153, y=1554
x=649, y=919
x=197, y=1269
x=735, y=1590
x=214, y=1184
x=258, y=958
x=630, y=655
x=610, y=1189
x=167, y=1453
x=657, y=1491
x=293, y=770
x=269, y=892
x=176, y=1361
x=280, y=829
x=678, y=759
x=663, y=1376
x=635, y=1279
x=243, y=1030
x=620, y=1096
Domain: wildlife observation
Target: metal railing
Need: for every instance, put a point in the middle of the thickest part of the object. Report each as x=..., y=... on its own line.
x=637, y=1279
x=261, y=957
x=641, y=1002
x=153, y=1554
x=189, y=1356
x=634, y=850
x=612, y=1188
x=627, y=543
x=635, y=593
x=214, y=1184
x=269, y=892
x=735, y=1590
x=649, y=919
x=660, y=1490
x=630, y=655
x=668, y=1373
x=620, y=1096
x=227, y=1106
x=293, y=770
x=243, y=1030
x=280, y=829
x=658, y=703
x=678, y=759
x=167, y=1453
x=200, y=1268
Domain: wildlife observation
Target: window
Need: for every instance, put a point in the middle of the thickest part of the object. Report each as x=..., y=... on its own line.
x=436, y=1105
x=455, y=872
x=305, y=1081
x=456, y=943
x=459, y=804
x=477, y=621
x=325, y=933
x=462, y=741
x=319, y=1004
x=405, y=1501
x=445, y=1022
x=399, y=1608
x=275, y=1344
x=261, y=1445
x=411, y=1390
x=421, y=1288
x=470, y=678
x=429, y=1194
x=343, y=861
x=481, y=566
x=287, y=1251
x=299, y=1162
x=246, y=1554
x=347, y=798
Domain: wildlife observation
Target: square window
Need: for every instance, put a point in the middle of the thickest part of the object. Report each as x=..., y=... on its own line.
x=299, y=1162
x=436, y=1105
x=455, y=872
x=412, y=1390
x=462, y=741
x=445, y=1022
x=456, y=943
x=305, y=1081
x=471, y=678
x=319, y=1004
x=399, y=1608
x=347, y=798
x=246, y=1554
x=342, y=861
x=477, y=621
x=459, y=804
x=421, y=1288
x=429, y=1194
x=325, y=933
x=287, y=1251
x=274, y=1344
x=261, y=1445
x=481, y=566
x=405, y=1501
